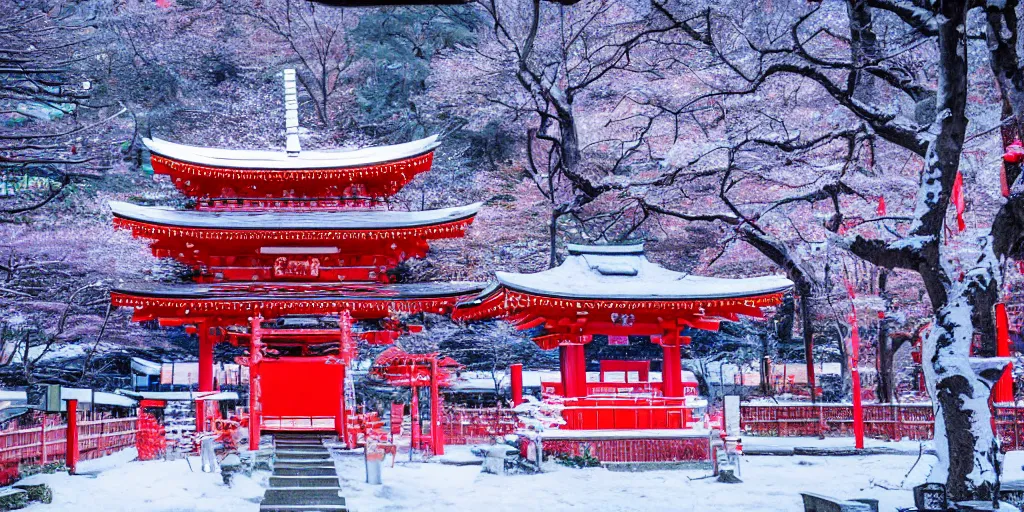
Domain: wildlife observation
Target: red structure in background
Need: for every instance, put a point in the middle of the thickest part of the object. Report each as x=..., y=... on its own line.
x=1003, y=391
x=71, y=451
x=288, y=250
x=399, y=368
x=616, y=291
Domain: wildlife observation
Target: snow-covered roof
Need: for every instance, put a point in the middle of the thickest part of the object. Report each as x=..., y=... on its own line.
x=300, y=291
x=180, y=395
x=623, y=272
x=145, y=367
x=264, y=159
x=86, y=396
x=289, y=220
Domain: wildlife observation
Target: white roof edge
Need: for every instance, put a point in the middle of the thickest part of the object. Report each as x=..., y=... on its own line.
x=271, y=160
x=605, y=249
x=690, y=288
x=364, y=219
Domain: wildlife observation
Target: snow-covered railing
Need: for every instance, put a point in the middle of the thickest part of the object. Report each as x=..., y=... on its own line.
x=881, y=421
x=469, y=426
x=47, y=442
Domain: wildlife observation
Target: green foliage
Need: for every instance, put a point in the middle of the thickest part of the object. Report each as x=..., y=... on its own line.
x=397, y=45
x=585, y=460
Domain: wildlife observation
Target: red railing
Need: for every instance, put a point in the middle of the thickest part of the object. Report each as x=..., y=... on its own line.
x=26, y=444
x=881, y=421
x=593, y=413
x=469, y=426
x=550, y=389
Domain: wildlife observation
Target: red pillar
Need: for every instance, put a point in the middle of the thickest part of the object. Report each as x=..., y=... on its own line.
x=205, y=373
x=1003, y=391
x=671, y=365
x=71, y=452
x=436, y=436
x=346, y=345
x=516, y=372
x=574, y=370
x=858, y=410
x=255, y=409
x=414, y=416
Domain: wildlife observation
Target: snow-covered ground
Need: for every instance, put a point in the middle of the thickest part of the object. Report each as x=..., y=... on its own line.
x=118, y=484
x=769, y=484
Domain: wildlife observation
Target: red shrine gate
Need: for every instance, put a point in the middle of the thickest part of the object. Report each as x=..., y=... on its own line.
x=288, y=249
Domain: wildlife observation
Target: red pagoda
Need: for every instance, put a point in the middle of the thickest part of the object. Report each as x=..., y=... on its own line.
x=288, y=248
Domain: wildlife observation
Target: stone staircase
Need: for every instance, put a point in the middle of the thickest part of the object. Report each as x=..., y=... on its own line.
x=304, y=477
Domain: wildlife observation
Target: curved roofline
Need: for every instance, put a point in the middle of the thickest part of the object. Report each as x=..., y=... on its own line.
x=605, y=249
x=281, y=160
x=277, y=291
x=291, y=220
x=646, y=298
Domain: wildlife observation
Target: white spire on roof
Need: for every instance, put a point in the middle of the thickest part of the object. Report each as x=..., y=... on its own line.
x=291, y=114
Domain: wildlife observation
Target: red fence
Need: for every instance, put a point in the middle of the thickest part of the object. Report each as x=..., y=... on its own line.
x=881, y=421
x=46, y=441
x=469, y=426
x=592, y=413
x=683, y=449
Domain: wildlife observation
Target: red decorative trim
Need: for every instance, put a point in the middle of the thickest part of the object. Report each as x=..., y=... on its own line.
x=160, y=307
x=506, y=302
x=383, y=179
x=453, y=229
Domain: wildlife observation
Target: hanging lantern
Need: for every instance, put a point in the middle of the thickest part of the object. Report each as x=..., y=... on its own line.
x=1014, y=152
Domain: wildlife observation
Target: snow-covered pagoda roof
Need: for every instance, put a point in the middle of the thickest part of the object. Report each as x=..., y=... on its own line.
x=264, y=159
x=299, y=291
x=277, y=299
x=623, y=272
x=290, y=220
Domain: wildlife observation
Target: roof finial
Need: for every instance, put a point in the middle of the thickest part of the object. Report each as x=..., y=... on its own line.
x=291, y=114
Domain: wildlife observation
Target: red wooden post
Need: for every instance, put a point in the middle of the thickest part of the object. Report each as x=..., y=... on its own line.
x=414, y=415
x=436, y=436
x=1003, y=390
x=671, y=365
x=255, y=416
x=42, y=441
x=205, y=373
x=71, y=453
x=574, y=369
x=516, y=372
x=858, y=409
x=345, y=351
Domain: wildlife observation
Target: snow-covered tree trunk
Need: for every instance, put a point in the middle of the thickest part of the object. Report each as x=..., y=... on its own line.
x=964, y=440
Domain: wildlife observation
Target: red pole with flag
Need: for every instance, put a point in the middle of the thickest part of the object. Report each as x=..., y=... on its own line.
x=1003, y=391
x=858, y=409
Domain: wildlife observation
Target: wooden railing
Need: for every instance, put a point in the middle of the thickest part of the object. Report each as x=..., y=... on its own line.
x=46, y=442
x=469, y=426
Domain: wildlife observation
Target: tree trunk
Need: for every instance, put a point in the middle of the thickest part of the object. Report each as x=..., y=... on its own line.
x=807, y=322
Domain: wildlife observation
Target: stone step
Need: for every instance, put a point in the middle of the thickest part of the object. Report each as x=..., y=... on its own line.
x=306, y=471
x=302, y=454
x=299, y=445
x=304, y=481
x=303, y=508
x=316, y=461
x=303, y=496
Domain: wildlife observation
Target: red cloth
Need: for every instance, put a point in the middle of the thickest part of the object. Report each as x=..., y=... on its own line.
x=958, y=200
x=881, y=206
